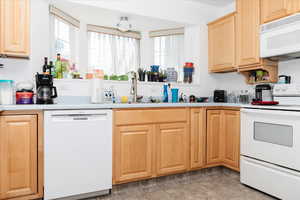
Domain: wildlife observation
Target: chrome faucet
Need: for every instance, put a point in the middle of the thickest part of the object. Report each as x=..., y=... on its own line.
x=133, y=90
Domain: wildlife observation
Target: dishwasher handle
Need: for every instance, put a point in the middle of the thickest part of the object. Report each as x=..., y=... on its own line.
x=79, y=117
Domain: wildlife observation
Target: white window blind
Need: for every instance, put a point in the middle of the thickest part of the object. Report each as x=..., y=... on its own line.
x=169, y=52
x=112, y=53
x=113, y=31
x=167, y=32
x=65, y=16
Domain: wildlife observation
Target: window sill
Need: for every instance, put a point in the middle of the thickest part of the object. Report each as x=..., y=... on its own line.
x=126, y=82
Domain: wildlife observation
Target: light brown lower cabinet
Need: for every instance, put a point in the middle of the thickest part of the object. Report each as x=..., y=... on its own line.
x=214, y=137
x=172, y=148
x=133, y=146
x=198, y=137
x=157, y=142
x=19, y=143
x=149, y=143
x=223, y=138
x=231, y=143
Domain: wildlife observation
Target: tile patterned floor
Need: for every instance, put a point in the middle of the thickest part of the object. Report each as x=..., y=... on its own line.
x=208, y=184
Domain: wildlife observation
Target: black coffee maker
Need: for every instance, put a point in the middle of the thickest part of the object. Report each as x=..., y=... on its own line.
x=45, y=91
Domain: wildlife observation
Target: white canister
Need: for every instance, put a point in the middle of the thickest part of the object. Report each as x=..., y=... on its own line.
x=6, y=92
x=97, y=91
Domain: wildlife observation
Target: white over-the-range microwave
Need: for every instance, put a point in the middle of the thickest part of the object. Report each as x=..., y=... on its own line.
x=280, y=39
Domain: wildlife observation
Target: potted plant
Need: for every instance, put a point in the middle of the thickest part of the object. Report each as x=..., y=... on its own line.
x=142, y=74
x=162, y=76
x=149, y=76
x=123, y=78
x=114, y=78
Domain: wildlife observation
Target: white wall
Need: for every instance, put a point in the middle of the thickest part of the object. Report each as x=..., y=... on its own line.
x=291, y=68
x=20, y=69
x=83, y=87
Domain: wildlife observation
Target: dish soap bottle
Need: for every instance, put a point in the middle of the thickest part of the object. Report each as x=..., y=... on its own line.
x=169, y=93
x=58, y=68
x=165, y=94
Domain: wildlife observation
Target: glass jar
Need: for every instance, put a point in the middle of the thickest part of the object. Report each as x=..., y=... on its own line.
x=6, y=92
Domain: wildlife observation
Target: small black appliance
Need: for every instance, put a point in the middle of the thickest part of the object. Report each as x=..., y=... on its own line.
x=45, y=91
x=263, y=93
x=220, y=96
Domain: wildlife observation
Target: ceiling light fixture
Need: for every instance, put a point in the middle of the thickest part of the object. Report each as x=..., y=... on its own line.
x=124, y=24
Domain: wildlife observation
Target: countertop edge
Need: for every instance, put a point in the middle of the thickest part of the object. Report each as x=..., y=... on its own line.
x=111, y=106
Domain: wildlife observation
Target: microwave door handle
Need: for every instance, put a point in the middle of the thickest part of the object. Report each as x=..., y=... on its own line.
x=271, y=112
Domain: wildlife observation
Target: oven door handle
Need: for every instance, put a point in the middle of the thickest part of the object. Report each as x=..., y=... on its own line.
x=271, y=112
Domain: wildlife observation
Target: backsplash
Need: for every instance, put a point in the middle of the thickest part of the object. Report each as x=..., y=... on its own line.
x=290, y=68
x=81, y=89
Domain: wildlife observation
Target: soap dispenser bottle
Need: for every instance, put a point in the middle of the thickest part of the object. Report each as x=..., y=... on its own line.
x=169, y=93
x=165, y=94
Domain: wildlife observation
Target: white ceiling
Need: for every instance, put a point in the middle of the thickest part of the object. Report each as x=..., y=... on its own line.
x=220, y=3
x=105, y=17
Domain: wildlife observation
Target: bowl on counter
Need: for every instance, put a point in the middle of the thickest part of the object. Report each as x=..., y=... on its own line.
x=202, y=100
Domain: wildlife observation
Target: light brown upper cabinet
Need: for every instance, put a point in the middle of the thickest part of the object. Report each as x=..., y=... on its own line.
x=198, y=137
x=248, y=42
x=19, y=156
x=172, y=148
x=294, y=6
x=248, y=22
x=15, y=28
x=272, y=10
x=222, y=44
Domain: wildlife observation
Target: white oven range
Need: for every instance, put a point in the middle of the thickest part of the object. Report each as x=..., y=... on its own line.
x=270, y=145
x=270, y=151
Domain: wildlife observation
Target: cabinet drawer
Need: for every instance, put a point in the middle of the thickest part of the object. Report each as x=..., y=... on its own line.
x=125, y=117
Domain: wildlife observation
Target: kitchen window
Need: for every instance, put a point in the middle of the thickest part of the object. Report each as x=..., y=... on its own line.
x=114, y=54
x=169, y=49
x=65, y=36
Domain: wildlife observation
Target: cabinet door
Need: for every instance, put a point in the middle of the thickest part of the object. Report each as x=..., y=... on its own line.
x=293, y=6
x=214, y=137
x=198, y=137
x=133, y=152
x=248, y=22
x=272, y=10
x=231, y=127
x=14, y=27
x=172, y=148
x=222, y=45
x=18, y=153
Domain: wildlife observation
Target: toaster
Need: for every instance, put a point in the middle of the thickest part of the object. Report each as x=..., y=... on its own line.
x=220, y=96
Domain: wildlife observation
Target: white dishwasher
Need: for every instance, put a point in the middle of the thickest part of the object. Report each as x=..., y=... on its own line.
x=78, y=153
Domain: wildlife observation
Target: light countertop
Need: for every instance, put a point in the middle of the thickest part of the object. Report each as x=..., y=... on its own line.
x=109, y=106
x=86, y=106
